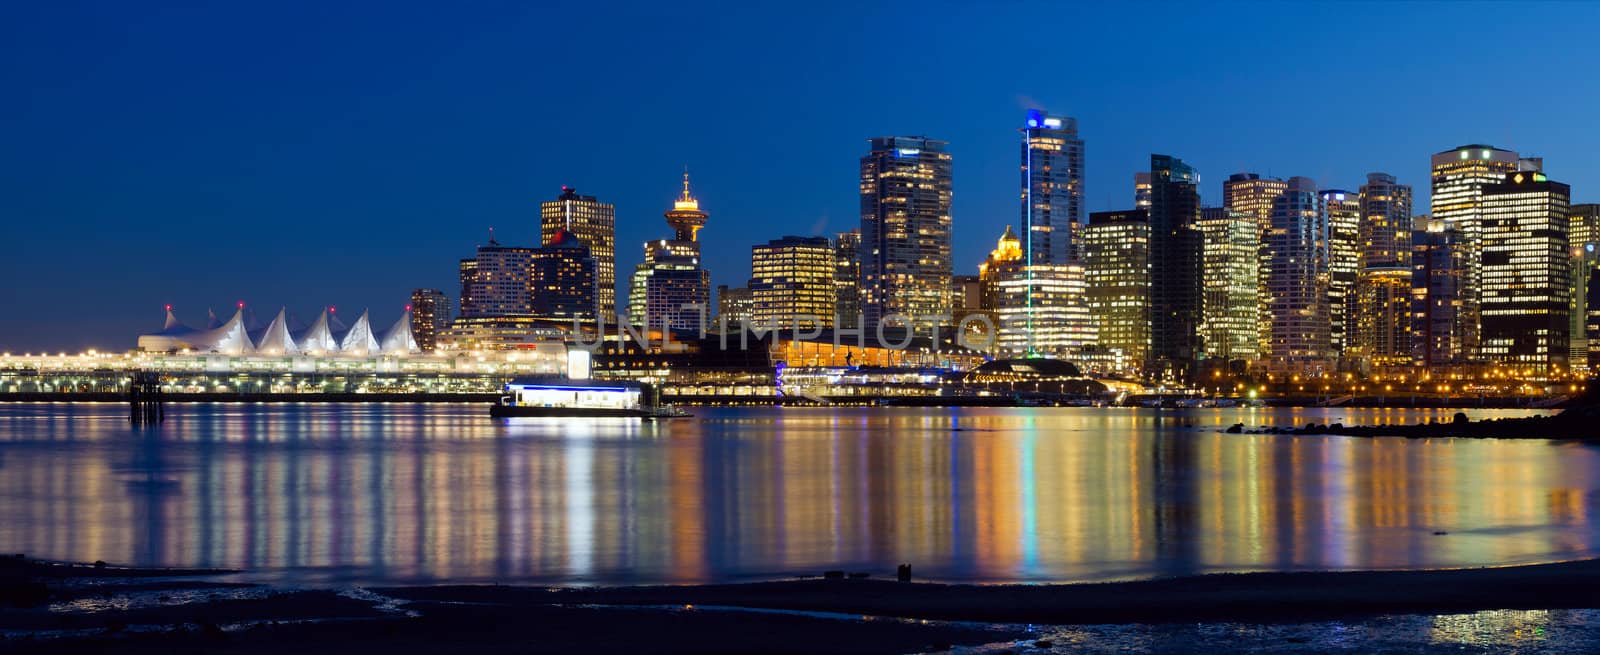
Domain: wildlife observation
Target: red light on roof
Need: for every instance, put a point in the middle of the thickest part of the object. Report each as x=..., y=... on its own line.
x=408, y=308
x=241, y=304
x=331, y=308
x=169, y=307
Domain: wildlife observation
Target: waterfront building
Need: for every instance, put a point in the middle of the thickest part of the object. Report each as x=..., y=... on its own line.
x=1296, y=254
x=1525, y=279
x=669, y=288
x=1381, y=325
x=967, y=294
x=793, y=277
x=1253, y=195
x=496, y=282
x=1231, y=275
x=847, y=279
x=735, y=307
x=1584, y=239
x=1343, y=210
x=1117, y=265
x=430, y=314
x=1383, y=315
x=1052, y=187
x=1007, y=250
x=1043, y=310
x=562, y=280
x=324, y=338
x=905, y=229
x=1458, y=177
x=1438, y=269
x=595, y=224
x=1175, y=268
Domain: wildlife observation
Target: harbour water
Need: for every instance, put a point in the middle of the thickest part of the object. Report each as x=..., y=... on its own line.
x=362, y=493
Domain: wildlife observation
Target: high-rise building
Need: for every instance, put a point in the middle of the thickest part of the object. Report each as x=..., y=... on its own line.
x=561, y=279
x=1458, y=176
x=735, y=308
x=1381, y=325
x=1175, y=278
x=1525, y=280
x=669, y=287
x=496, y=282
x=430, y=315
x=1043, y=310
x=1253, y=195
x=905, y=230
x=595, y=224
x=792, y=277
x=1438, y=272
x=1343, y=210
x=1583, y=230
x=1232, y=259
x=1299, y=334
x=847, y=279
x=1116, y=248
x=1052, y=186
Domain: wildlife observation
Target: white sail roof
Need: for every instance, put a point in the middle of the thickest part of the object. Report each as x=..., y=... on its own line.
x=398, y=340
x=317, y=339
x=274, y=339
x=358, y=340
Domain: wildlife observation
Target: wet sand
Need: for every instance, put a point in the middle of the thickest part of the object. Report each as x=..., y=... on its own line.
x=864, y=616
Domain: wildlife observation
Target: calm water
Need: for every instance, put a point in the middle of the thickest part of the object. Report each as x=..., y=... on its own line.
x=331, y=493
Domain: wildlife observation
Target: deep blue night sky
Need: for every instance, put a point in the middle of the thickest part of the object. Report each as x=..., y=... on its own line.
x=343, y=153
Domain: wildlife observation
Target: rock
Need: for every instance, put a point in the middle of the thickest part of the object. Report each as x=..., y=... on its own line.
x=833, y=575
x=1236, y=428
x=1461, y=418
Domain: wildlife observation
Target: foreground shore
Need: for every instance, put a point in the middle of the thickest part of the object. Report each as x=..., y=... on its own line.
x=189, y=615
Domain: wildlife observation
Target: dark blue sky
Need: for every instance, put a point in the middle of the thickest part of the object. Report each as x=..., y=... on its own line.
x=343, y=153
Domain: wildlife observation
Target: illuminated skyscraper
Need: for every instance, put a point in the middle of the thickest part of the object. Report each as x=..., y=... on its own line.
x=1438, y=270
x=1459, y=175
x=1043, y=310
x=847, y=279
x=1583, y=238
x=1007, y=250
x=1253, y=195
x=1380, y=327
x=1343, y=211
x=561, y=280
x=905, y=229
x=496, y=282
x=1052, y=186
x=1297, y=282
x=669, y=288
x=1175, y=278
x=1232, y=280
x=1117, y=263
x=595, y=224
x=792, y=277
x=1526, y=281
x=430, y=315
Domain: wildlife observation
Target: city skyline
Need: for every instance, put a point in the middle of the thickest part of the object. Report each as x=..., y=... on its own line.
x=114, y=203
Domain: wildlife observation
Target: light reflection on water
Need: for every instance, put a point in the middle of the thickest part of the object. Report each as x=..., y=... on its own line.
x=443, y=492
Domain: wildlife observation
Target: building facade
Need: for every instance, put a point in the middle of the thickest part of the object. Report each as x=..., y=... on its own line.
x=793, y=277
x=595, y=224
x=735, y=308
x=1052, y=186
x=847, y=279
x=1343, y=211
x=1583, y=230
x=1438, y=272
x=430, y=315
x=1174, y=268
x=496, y=282
x=1458, y=178
x=905, y=229
x=562, y=280
x=1232, y=277
x=1298, y=310
x=1525, y=281
x=1383, y=318
x=1117, y=265
x=1043, y=310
